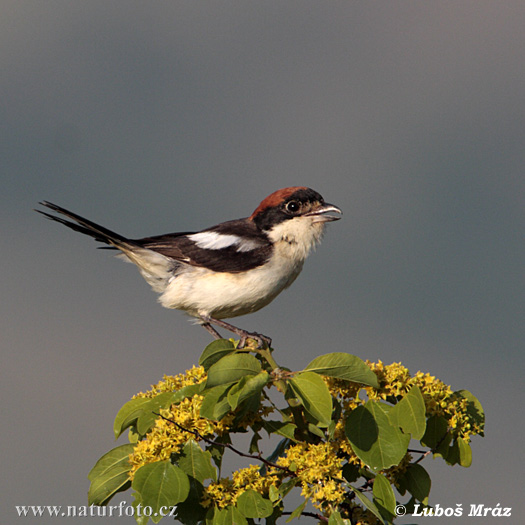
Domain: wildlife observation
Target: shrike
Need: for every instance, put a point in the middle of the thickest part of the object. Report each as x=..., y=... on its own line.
x=231, y=269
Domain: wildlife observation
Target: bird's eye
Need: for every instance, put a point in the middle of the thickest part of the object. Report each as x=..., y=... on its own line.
x=292, y=207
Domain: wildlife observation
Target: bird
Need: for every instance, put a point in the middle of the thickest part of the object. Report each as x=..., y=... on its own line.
x=232, y=269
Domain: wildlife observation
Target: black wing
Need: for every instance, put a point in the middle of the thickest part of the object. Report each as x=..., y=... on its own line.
x=233, y=246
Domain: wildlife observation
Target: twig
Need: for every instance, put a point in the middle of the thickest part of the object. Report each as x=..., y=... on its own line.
x=367, y=485
x=423, y=456
x=229, y=446
x=319, y=517
x=428, y=452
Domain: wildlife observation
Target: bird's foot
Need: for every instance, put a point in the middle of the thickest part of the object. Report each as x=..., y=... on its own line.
x=244, y=335
x=260, y=339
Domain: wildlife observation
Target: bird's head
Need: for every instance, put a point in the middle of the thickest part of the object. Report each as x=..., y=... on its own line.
x=295, y=215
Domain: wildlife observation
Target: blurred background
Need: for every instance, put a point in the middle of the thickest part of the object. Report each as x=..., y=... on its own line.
x=152, y=117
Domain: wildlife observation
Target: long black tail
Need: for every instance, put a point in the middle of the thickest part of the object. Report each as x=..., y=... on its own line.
x=156, y=268
x=99, y=233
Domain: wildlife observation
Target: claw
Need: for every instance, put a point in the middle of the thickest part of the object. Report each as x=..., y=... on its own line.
x=260, y=339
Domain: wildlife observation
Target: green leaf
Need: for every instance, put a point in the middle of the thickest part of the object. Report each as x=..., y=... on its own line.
x=298, y=511
x=377, y=442
x=215, y=404
x=474, y=408
x=344, y=366
x=409, y=414
x=228, y=516
x=274, y=494
x=449, y=453
x=253, y=505
x=140, y=517
x=286, y=487
x=115, y=457
x=110, y=475
x=384, y=497
x=336, y=519
x=231, y=369
x=215, y=351
x=247, y=387
x=459, y=452
x=417, y=481
x=149, y=412
x=190, y=511
x=435, y=432
x=234, y=393
x=160, y=484
x=279, y=451
x=316, y=431
x=217, y=449
x=332, y=428
x=254, y=443
x=141, y=411
x=286, y=430
x=367, y=504
x=128, y=414
x=196, y=463
x=465, y=452
x=351, y=472
x=314, y=395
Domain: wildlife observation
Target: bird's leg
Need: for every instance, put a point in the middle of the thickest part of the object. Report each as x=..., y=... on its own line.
x=207, y=326
x=243, y=334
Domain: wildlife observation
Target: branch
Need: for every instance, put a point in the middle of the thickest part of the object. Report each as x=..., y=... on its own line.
x=319, y=517
x=258, y=457
x=425, y=454
x=422, y=457
x=414, y=451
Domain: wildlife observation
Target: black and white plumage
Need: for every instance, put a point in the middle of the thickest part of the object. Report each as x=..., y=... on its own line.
x=231, y=269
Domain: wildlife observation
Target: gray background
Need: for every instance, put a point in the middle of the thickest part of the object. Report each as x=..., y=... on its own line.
x=152, y=117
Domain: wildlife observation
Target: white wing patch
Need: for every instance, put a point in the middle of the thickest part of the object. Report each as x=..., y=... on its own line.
x=218, y=241
x=213, y=240
x=247, y=245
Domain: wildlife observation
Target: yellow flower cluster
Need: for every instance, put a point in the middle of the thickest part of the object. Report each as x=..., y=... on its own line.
x=345, y=391
x=318, y=468
x=226, y=491
x=394, y=473
x=193, y=376
x=395, y=381
x=312, y=462
x=440, y=400
x=167, y=438
x=344, y=444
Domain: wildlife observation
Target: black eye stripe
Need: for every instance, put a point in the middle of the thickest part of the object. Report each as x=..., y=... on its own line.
x=269, y=216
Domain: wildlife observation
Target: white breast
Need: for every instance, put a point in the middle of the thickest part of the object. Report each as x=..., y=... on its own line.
x=199, y=291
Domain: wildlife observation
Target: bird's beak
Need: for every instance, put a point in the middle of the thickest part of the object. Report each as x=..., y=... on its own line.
x=323, y=211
